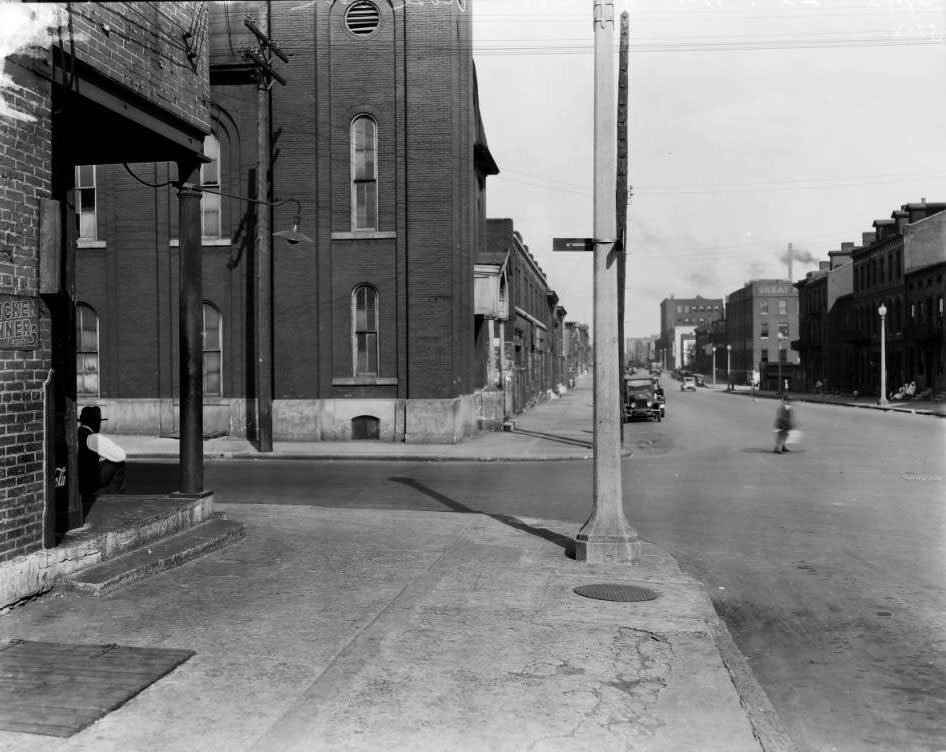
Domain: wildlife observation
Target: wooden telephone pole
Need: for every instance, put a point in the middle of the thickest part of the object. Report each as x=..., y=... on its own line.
x=262, y=58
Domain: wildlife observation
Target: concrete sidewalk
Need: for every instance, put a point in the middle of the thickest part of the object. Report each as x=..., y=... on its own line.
x=331, y=629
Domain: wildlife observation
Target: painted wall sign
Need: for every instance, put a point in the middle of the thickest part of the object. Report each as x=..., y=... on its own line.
x=19, y=323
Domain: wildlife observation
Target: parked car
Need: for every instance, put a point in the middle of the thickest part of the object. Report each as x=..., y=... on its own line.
x=688, y=384
x=640, y=400
x=700, y=381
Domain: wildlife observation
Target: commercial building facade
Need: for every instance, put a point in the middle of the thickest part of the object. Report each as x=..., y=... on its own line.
x=679, y=319
x=761, y=324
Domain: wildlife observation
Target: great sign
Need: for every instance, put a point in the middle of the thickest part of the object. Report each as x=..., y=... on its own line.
x=19, y=323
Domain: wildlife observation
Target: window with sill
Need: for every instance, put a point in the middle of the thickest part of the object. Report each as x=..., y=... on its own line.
x=365, y=345
x=364, y=174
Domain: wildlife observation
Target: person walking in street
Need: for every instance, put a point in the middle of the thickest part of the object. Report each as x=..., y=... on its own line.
x=101, y=461
x=784, y=422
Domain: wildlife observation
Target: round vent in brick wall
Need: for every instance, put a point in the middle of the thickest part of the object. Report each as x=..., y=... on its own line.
x=362, y=18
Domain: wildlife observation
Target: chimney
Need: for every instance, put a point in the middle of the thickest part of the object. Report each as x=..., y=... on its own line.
x=824, y=266
x=867, y=238
x=847, y=247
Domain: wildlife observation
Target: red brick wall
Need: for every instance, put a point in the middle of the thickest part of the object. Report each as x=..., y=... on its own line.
x=25, y=168
x=421, y=95
x=141, y=46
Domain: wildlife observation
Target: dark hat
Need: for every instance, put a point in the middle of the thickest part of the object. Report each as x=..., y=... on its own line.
x=91, y=414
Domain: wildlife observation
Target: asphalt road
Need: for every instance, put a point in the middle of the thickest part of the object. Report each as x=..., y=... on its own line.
x=827, y=563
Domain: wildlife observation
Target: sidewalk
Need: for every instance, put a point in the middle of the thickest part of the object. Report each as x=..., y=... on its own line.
x=554, y=430
x=915, y=407
x=332, y=629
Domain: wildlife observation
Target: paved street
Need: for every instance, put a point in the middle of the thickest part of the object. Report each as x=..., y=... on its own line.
x=827, y=563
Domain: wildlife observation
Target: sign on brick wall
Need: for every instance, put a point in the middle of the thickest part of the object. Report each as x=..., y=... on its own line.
x=19, y=323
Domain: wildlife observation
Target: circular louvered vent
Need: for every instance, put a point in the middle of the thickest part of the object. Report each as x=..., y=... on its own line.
x=362, y=18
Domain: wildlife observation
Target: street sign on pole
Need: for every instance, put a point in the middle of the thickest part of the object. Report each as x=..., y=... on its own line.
x=573, y=244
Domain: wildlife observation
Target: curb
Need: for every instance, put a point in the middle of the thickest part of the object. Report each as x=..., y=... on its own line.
x=368, y=457
x=881, y=408
x=766, y=725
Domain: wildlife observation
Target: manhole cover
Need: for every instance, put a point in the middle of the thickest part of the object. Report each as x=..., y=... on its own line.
x=625, y=593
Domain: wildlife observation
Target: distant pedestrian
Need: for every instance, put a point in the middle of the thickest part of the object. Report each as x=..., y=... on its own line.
x=101, y=461
x=784, y=423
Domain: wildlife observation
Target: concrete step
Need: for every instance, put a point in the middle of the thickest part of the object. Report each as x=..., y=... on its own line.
x=156, y=556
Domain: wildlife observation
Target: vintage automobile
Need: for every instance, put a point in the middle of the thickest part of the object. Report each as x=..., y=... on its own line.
x=640, y=400
x=688, y=384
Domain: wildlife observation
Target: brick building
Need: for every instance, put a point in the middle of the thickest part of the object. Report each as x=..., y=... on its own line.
x=761, y=324
x=679, y=319
x=89, y=83
x=367, y=331
x=823, y=302
x=577, y=348
x=528, y=350
x=924, y=255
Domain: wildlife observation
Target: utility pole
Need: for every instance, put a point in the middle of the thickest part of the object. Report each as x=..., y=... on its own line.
x=621, y=197
x=262, y=58
x=606, y=536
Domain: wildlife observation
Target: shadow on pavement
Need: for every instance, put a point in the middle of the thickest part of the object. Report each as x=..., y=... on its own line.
x=558, y=539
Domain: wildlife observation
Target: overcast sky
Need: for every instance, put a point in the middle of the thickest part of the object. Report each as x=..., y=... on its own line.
x=753, y=124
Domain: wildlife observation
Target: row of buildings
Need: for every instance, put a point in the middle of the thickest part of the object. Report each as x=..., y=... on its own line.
x=884, y=294
x=156, y=157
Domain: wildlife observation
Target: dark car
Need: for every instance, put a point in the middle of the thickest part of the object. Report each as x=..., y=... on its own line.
x=640, y=399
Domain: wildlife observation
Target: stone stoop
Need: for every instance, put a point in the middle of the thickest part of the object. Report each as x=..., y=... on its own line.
x=153, y=557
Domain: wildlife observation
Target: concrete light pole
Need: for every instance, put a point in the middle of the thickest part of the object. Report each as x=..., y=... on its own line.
x=729, y=366
x=882, y=311
x=778, y=388
x=714, y=365
x=606, y=536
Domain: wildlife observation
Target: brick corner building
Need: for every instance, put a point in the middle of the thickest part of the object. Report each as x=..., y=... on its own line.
x=376, y=150
x=87, y=84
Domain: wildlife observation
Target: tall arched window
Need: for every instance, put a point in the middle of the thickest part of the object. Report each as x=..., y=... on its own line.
x=212, y=339
x=87, y=351
x=364, y=174
x=210, y=223
x=364, y=310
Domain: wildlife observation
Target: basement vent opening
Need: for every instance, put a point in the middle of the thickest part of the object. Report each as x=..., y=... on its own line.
x=362, y=18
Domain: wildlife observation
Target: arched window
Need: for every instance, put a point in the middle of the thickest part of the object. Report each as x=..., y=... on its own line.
x=210, y=223
x=364, y=310
x=364, y=174
x=212, y=339
x=87, y=351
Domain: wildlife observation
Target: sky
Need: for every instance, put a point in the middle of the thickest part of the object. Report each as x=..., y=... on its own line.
x=752, y=124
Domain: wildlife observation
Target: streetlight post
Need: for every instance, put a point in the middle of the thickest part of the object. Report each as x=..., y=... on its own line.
x=714, y=365
x=729, y=367
x=882, y=311
x=778, y=388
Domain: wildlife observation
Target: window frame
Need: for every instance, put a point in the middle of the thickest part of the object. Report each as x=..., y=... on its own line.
x=210, y=202
x=83, y=354
x=218, y=351
x=357, y=334
x=79, y=188
x=370, y=204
